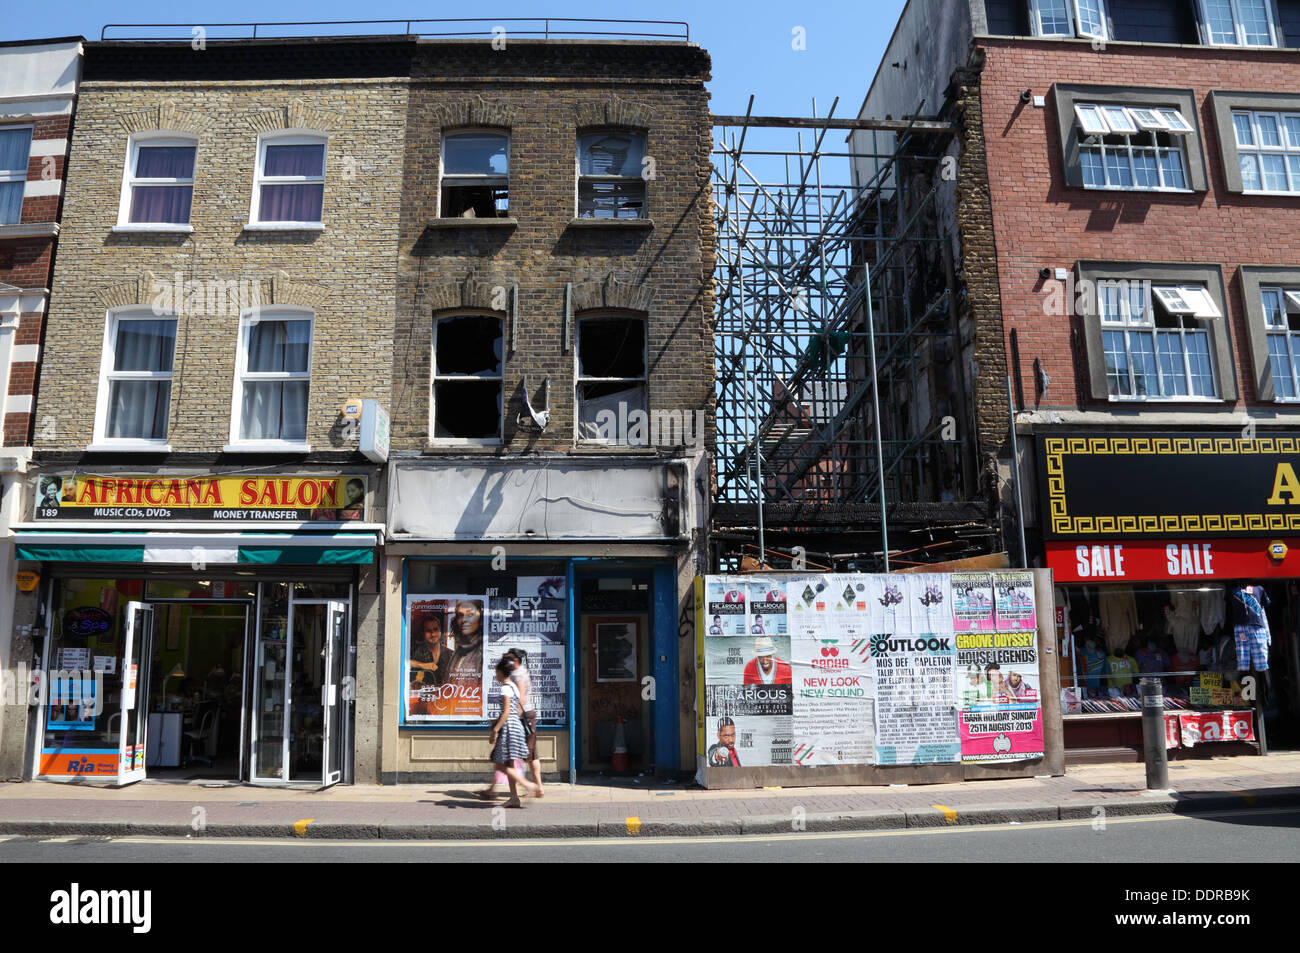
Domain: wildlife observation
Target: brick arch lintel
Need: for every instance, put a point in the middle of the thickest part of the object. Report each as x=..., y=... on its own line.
x=475, y=111
x=614, y=111
x=294, y=115
x=594, y=294
x=166, y=116
x=486, y=293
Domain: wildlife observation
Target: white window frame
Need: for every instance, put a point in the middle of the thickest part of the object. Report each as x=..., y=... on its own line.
x=287, y=137
x=470, y=179
x=1075, y=17
x=247, y=319
x=1289, y=301
x=579, y=178
x=18, y=175
x=155, y=137
x=1238, y=27
x=1144, y=324
x=1097, y=120
x=579, y=380
x=435, y=378
x=107, y=375
x=1288, y=149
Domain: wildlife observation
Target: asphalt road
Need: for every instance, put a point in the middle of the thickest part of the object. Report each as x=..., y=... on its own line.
x=1248, y=835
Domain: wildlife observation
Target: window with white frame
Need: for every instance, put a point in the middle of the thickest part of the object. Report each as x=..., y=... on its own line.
x=1239, y=22
x=1132, y=147
x=610, y=179
x=1268, y=150
x=290, y=180
x=1282, y=325
x=467, y=386
x=475, y=175
x=611, y=379
x=158, y=187
x=15, y=152
x=273, y=378
x=135, y=385
x=1155, y=343
x=1068, y=18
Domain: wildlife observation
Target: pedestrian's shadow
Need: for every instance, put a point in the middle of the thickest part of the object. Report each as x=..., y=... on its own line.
x=463, y=799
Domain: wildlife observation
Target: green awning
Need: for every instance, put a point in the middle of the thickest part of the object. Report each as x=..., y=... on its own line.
x=198, y=549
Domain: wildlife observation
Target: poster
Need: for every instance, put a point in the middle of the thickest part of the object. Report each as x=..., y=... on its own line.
x=73, y=660
x=748, y=725
x=534, y=624
x=616, y=651
x=929, y=600
x=834, y=716
x=747, y=660
x=997, y=692
x=1014, y=599
x=972, y=602
x=444, y=659
x=766, y=602
x=725, y=603
x=916, y=721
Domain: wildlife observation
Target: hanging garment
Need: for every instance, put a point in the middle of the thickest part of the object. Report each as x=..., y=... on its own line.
x=1183, y=618
x=1212, y=609
x=1119, y=617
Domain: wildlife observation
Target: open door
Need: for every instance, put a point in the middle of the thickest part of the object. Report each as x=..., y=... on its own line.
x=137, y=649
x=332, y=693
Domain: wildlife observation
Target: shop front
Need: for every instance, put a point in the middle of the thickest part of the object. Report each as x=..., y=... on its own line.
x=176, y=650
x=1189, y=575
x=581, y=567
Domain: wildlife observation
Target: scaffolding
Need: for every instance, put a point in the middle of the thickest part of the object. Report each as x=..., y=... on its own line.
x=843, y=416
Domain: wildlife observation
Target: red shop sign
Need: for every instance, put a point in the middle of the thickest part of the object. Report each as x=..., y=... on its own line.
x=1149, y=560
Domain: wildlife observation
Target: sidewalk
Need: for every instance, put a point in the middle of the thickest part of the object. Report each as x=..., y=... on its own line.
x=625, y=808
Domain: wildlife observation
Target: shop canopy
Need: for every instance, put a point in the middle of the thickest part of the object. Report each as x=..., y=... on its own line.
x=199, y=549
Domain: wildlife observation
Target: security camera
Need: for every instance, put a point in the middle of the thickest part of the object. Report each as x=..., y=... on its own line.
x=1026, y=96
x=1044, y=273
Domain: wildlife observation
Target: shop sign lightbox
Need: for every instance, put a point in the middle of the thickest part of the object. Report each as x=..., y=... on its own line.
x=299, y=498
x=1169, y=485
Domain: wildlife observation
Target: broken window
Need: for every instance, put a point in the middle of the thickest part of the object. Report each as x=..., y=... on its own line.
x=475, y=175
x=467, y=380
x=611, y=376
x=610, y=181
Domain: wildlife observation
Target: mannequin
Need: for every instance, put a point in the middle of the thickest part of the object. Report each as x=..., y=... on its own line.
x=1250, y=627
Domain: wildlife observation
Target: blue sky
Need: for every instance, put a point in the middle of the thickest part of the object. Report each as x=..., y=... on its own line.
x=751, y=43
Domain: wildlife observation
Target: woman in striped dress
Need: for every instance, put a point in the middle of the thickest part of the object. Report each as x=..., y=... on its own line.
x=508, y=741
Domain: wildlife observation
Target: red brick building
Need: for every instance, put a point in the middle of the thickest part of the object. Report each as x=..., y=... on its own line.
x=1127, y=170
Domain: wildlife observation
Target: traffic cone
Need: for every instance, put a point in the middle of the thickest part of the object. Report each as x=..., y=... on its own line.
x=618, y=760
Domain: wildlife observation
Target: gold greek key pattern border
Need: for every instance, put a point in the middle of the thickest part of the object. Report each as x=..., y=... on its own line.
x=1062, y=523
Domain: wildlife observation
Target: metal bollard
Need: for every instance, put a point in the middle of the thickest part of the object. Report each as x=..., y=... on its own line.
x=1153, y=734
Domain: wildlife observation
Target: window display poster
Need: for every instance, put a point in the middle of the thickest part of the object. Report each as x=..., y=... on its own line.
x=997, y=693
x=1196, y=727
x=750, y=725
x=972, y=602
x=1014, y=598
x=834, y=706
x=444, y=658
x=544, y=661
x=929, y=599
x=725, y=603
x=916, y=720
x=533, y=622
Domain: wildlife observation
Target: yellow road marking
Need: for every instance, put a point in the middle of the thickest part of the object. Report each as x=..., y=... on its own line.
x=634, y=825
x=949, y=814
x=300, y=827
